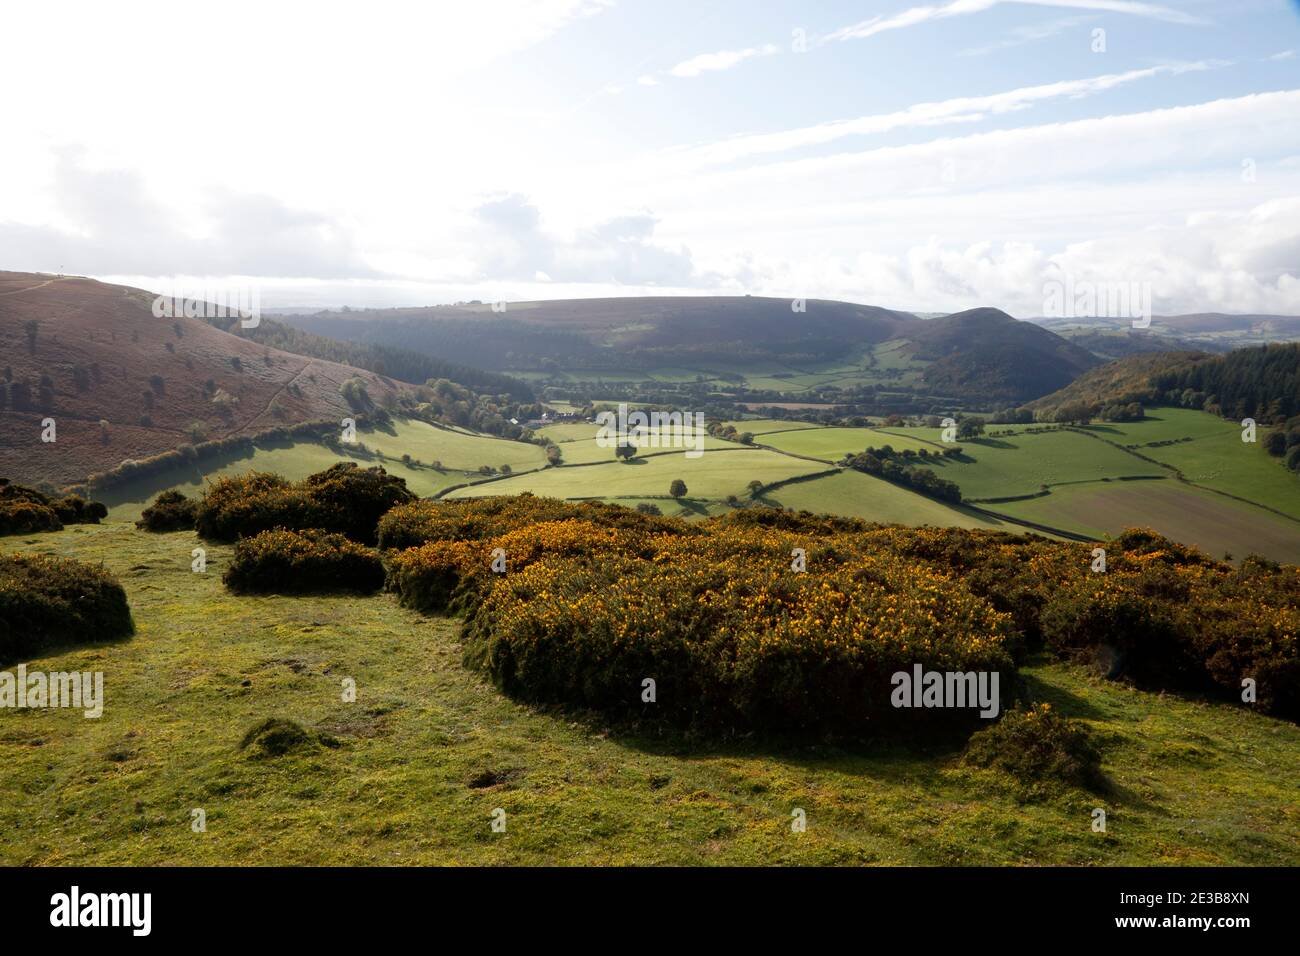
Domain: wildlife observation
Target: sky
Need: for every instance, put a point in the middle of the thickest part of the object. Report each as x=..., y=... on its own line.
x=929, y=156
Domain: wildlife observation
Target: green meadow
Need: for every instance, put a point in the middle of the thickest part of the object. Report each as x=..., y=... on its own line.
x=1092, y=481
x=713, y=475
x=414, y=769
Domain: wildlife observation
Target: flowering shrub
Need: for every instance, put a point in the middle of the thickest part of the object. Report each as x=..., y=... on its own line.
x=170, y=511
x=46, y=602
x=1038, y=746
x=343, y=498
x=24, y=510
x=284, y=562
x=474, y=519
x=732, y=638
x=592, y=598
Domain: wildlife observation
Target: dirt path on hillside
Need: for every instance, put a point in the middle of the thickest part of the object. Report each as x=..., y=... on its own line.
x=32, y=288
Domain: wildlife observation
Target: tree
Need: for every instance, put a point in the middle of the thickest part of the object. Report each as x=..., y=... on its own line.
x=969, y=428
x=678, y=488
x=755, y=487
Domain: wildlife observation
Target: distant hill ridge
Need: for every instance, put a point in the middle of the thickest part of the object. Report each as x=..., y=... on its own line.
x=983, y=351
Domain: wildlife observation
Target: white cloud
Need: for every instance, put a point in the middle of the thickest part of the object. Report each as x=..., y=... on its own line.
x=1284, y=55
x=1029, y=33
x=721, y=60
x=965, y=109
x=915, y=15
x=510, y=243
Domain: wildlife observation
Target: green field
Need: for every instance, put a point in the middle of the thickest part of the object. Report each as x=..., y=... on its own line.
x=429, y=750
x=1021, y=464
x=457, y=450
x=1081, y=470
x=832, y=444
x=460, y=452
x=855, y=495
x=1225, y=463
x=714, y=475
x=1215, y=523
x=766, y=426
x=1163, y=424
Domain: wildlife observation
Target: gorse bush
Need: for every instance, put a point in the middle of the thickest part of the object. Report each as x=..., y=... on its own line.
x=344, y=498
x=591, y=597
x=1038, y=747
x=475, y=519
x=25, y=510
x=732, y=638
x=170, y=511
x=288, y=562
x=46, y=602
x=433, y=576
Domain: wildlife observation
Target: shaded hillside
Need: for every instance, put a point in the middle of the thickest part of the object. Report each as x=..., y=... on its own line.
x=402, y=364
x=1111, y=344
x=1120, y=382
x=986, y=352
x=122, y=384
x=627, y=333
x=1261, y=383
x=982, y=357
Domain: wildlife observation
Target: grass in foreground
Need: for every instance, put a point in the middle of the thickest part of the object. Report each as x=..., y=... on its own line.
x=428, y=751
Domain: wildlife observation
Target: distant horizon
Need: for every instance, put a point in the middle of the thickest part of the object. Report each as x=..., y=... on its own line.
x=270, y=306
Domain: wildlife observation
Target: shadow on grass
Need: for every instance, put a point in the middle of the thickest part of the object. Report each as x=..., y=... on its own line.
x=62, y=646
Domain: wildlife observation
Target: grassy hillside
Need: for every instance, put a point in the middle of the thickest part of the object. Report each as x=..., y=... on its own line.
x=429, y=751
x=460, y=453
x=714, y=475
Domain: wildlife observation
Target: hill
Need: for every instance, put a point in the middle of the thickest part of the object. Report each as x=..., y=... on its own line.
x=1111, y=344
x=986, y=352
x=122, y=384
x=629, y=333
x=1211, y=331
x=740, y=344
x=1121, y=381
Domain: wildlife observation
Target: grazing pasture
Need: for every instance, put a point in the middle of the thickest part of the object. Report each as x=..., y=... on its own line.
x=412, y=771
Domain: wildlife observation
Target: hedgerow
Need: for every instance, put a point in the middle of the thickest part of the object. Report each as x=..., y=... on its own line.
x=289, y=562
x=46, y=602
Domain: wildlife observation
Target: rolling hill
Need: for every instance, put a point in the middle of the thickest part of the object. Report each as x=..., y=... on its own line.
x=1124, y=380
x=980, y=356
x=987, y=352
x=121, y=384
